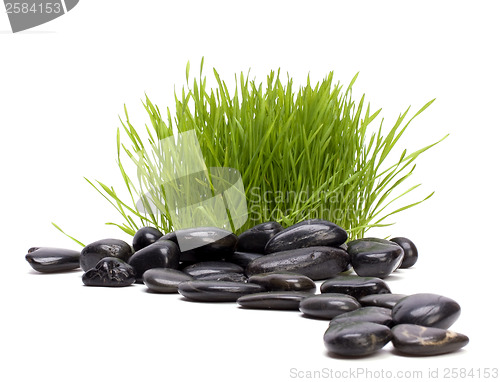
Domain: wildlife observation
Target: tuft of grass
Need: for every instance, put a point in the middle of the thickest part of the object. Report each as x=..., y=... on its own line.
x=304, y=153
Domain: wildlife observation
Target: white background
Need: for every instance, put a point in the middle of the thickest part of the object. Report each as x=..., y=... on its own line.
x=62, y=88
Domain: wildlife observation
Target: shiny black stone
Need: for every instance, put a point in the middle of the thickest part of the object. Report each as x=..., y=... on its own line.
x=410, y=251
x=211, y=267
x=243, y=258
x=162, y=254
x=309, y=233
x=284, y=281
x=164, y=280
x=50, y=260
x=374, y=257
x=356, y=338
x=256, y=238
x=144, y=237
x=229, y=276
x=282, y=300
x=328, y=305
x=375, y=314
x=387, y=300
x=426, y=309
x=100, y=249
x=204, y=243
x=355, y=286
x=216, y=291
x=420, y=340
x=110, y=272
x=318, y=263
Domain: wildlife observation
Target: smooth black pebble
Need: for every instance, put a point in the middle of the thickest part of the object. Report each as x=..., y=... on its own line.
x=374, y=314
x=282, y=300
x=410, y=251
x=50, y=260
x=420, y=340
x=374, y=257
x=226, y=276
x=256, y=238
x=309, y=233
x=355, y=286
x=284, y=281
x=243, y=258
x=110, y=272
x=145, y=236
x=216, y=291
x=94, y=252
x=162, y=254
x=164, y=280
x=426, y=309
x=386, y=300
x=328, y=305
x=356, y=338
x=205, y=268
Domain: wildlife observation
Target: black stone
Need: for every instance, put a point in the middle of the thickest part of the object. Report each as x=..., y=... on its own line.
x=356, y=338
x=374, y=314
x=318, y=263
x=229, y=276
x=309, y=233
x=243, y=258
x=284, y=281
x=355, y=286
x=282, y=300
x=426, y=309
x=256, y=238
x=420, y=340
x=100, y=249
x=374, y=257
x=328, y=305
x=410, y=251
x=164, y=280
x=387, y=300
x=110, y=272
x=211, y=267
x=144, y=237
x=204, y=243
x=162, y=254
x=50, y=260
x=216, y=291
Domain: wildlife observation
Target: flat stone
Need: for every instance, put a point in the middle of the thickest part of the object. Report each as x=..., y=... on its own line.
x=110, y=272
x=328, y=305
x=164, y=280
x=387, y=300
x=374, y=257
x=355, y=286
x=144, y=237
x=211, y=267
x=356, y=338
x=50, y=260
x=282, y=300
x=162, y=254
x=426, y=309
x=216, y=291
x=318, y=263
x=94, y=252
x=420, y=340
x=284, y=281
x=227, y=276
x=410, y=256
x=375, y=314
x=243, y=258
x=204, y=243
x=309, y=233
x=256, y=238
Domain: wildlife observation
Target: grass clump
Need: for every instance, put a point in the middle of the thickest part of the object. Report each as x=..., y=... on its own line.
x=305, y=153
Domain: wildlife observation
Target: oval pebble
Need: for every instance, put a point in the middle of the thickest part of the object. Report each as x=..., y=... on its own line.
x=256, y=238
x=410, y=251
x=375, y=314
x=226, y=276
x=92, y=253
x=243, y=258
x=161, y=254
x=283, y=300
x=50, y=260
x=205, y=268
x=284, y=281
x=328, y=305
x=144, y=237
x=374, y=257
x=164, y=280
x=216, y=291
x=355, y=286
x=385, y=300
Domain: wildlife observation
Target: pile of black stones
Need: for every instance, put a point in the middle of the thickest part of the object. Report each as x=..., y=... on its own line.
x=269, y=267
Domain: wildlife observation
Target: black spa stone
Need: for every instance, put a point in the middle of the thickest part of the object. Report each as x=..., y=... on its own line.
x=164, y=280
x=243, y=258
x=374, y=257
x=205, y=268
x=110, y=272
x=226, y=276
x=373, y=314
x=51, y=260
x=144, y=237
x=282, y=300
x=356, y=338
x=410, y=251
x=255, y=239
x=317, y=263
x=284, y=281
x=309, y=233
x=94, y=252
x=328, y=305
x=216, y=291
x=426, y=309
x=355, y=286
x=386, y=300
x=162, y=254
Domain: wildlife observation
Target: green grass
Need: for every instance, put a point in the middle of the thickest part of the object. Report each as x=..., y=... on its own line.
x=302, y=153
